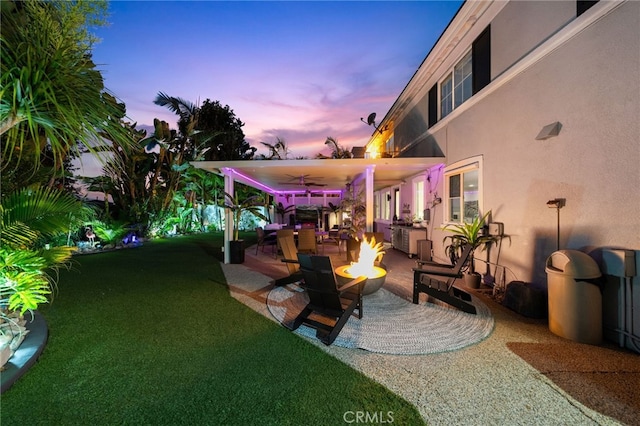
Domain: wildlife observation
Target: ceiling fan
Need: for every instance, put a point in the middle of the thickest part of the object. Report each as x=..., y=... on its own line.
x=302, y=180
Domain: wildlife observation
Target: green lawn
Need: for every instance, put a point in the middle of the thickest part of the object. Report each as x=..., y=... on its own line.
x=151, y=336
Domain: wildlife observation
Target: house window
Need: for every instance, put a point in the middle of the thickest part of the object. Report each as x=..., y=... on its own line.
x=463, y=191
x=470, y=75
x=389, y=148
x=462, y=80
x=396, y=202
x=446, y=97
x=386, y=205
x=457, y=86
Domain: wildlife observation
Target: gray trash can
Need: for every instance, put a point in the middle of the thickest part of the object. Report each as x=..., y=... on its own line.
x=575, y=304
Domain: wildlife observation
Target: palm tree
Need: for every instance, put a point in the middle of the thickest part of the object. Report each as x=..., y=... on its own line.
x=203, y=188
x=277, y=151
x=51, y=93
x=239, y=204
x=337, y=151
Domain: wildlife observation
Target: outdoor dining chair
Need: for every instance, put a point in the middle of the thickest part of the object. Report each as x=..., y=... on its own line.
x=266, y=240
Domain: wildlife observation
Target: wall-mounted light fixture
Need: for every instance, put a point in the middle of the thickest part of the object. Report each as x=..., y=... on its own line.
x=549, y=131
x=556, y=203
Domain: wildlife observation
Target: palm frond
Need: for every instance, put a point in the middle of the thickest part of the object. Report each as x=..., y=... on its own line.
x=36, y=211
x=23, y=283
x=177, y=105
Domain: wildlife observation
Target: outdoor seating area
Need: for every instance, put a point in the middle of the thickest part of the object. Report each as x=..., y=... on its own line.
x=499, y=361
x=466, y=253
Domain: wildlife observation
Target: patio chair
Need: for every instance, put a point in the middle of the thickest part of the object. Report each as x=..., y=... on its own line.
x=290, y=258
x=332, y=235
x=282, y=233
x=307, y=241
x=329, y=306
x=266, y=240
x=442, y=288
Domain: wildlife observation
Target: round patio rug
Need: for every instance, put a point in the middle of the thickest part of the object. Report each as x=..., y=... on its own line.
x=392, y=325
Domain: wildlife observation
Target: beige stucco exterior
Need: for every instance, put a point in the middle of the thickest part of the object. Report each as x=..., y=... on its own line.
x=546, y=66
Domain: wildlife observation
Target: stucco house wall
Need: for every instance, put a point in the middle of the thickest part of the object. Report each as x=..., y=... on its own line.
x=589, y=83
x=532, y=21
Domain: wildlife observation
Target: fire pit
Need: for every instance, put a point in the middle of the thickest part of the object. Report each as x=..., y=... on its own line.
x=374, y=281
x=369, y=252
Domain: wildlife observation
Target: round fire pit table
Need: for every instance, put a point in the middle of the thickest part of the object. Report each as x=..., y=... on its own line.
x=372, y=285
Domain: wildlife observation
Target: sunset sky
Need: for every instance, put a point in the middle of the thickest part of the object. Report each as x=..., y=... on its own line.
x=301, y=71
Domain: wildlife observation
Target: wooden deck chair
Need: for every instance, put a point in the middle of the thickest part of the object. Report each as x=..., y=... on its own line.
x=307, y=241
x=442, y=288
x=290, y=258
x=281, y=233
x=329, y=306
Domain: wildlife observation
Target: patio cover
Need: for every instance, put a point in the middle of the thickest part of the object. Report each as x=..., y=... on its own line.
x=334, y=174
x=267, y=175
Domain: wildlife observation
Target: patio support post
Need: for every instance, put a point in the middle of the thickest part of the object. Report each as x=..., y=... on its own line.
x=369, y=197
x=228, y=215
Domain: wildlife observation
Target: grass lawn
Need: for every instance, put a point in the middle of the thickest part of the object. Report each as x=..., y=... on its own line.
x=151, y=336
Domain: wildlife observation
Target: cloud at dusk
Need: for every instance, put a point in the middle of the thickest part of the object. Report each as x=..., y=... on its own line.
x=301, y=71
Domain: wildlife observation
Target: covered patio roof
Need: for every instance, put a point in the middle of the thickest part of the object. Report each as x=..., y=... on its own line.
x=283, y=176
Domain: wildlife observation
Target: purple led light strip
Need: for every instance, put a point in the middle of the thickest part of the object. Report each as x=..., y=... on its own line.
x=274, y=191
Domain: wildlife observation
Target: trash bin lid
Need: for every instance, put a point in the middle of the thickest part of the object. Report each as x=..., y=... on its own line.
x=572, y=263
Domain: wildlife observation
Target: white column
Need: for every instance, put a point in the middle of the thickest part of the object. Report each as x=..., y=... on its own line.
x=228, y=215
x=369, y=197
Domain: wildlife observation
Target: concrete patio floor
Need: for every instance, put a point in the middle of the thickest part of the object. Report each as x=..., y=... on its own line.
x=479, y=385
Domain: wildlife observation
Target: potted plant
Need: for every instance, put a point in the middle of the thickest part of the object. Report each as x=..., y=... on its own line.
x=468, y=233
x=239, y=204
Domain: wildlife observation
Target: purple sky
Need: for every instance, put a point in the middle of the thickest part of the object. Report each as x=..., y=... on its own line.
x=301, y=71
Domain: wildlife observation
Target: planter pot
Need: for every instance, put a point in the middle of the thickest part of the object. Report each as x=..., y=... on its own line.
x=5, y=352
x=472, y=280
x=236, y=251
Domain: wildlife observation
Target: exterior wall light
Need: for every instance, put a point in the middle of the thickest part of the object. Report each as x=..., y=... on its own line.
x=549, y=131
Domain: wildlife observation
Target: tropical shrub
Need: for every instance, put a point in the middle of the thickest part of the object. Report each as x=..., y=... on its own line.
x=241, y=206
x=111, y=233
x=26, y=216
x=467, y=233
